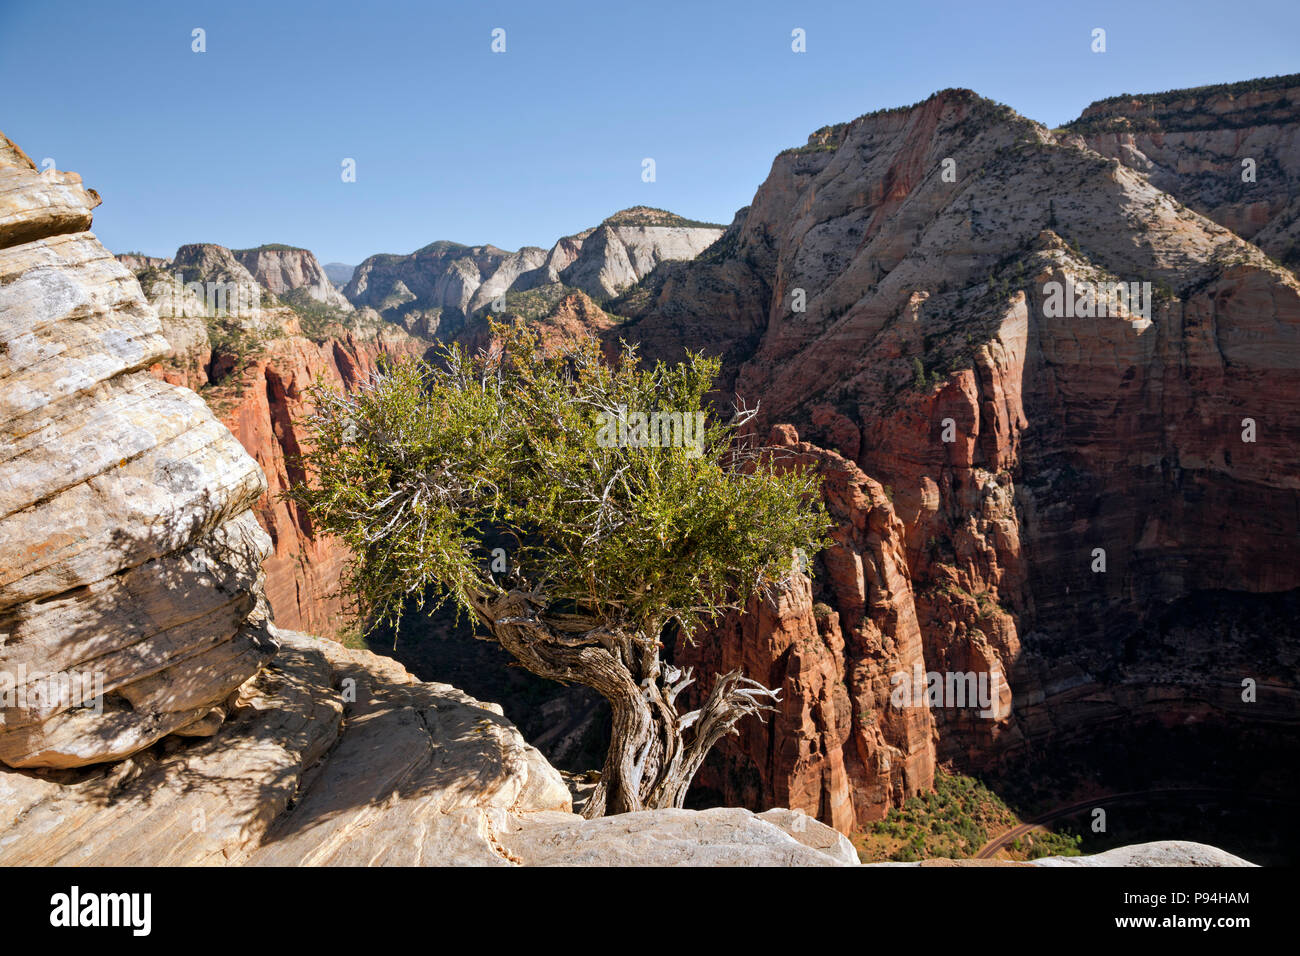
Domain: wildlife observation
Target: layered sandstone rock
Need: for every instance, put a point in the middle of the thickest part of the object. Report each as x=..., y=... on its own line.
x=887, y=292
x=130, y=572
x=836, y=749
x=338, y=757
x=1231, y=152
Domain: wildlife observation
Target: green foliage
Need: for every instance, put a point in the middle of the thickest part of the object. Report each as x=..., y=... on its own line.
x=535, y=303
x=954, y=820
x=918, y=374
x=1053, y=844
x=428, y=468
x=1187, y=109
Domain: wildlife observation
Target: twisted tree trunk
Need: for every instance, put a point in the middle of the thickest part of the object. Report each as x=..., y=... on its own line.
x=654, y=750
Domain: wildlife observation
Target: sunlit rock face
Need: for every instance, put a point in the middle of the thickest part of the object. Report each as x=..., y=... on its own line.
x=131, y=600
x=1066, y=480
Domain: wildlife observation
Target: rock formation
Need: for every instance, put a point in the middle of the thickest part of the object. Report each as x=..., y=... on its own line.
x=128, y=552
x=262, y=406
x=435, y=289
x=888, y=292
x=333, y=757
x=130, y=576
x=836, y=749
x=1231, y=152
x=285, y=269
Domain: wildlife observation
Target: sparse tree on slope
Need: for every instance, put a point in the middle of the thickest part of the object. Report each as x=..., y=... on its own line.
x=613, y=541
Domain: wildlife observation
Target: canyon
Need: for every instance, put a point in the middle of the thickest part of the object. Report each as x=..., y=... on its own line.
x=129, y=549
x=1063, y=433
x=894, y=320
x=883, y=300
x=437, y=288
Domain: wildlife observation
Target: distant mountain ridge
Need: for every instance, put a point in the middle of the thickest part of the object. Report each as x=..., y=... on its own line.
x=339, y=273
x=435, y=289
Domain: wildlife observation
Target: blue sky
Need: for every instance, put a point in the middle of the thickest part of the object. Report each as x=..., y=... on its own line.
x=243, y=144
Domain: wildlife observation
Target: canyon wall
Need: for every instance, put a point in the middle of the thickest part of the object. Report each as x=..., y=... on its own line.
x=1231, y=152
x=261, y=405
x=836, y=748
x=284, y=270
x=888, y=293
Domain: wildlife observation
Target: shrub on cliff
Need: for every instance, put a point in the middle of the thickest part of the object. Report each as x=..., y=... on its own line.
x=525, y=488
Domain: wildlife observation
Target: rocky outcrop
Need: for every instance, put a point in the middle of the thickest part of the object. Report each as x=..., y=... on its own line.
x=285, y=269
x=183, y=316
x=332, y=757
x=208, y=262
x=138, y=262
x=434, y=290
x=888, y=292
x=836, y=749
x=338, y=757
x=628, y=246
x=1159, y=853
x=130, y=581
x=1231, y=152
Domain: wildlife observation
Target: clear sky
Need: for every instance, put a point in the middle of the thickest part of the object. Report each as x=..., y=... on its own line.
x=243, y=144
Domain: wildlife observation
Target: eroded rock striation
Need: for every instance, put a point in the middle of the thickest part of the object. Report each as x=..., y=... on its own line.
x=1231, y=152
x=339, y=757
x=130, y=561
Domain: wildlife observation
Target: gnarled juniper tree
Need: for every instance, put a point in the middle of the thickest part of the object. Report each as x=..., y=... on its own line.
x=616, y=539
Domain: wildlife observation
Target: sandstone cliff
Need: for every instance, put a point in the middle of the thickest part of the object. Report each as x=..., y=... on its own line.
x=261, y=405
x=253, y=369
x=887, y=293
x=1231, y=152
x=284, y=269
x=130, y=580
x=836, y=749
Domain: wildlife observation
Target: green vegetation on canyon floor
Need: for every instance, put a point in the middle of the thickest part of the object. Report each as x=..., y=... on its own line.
x=955, y=820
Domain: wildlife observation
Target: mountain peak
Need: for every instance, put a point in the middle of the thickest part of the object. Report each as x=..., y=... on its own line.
x=650, y=216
